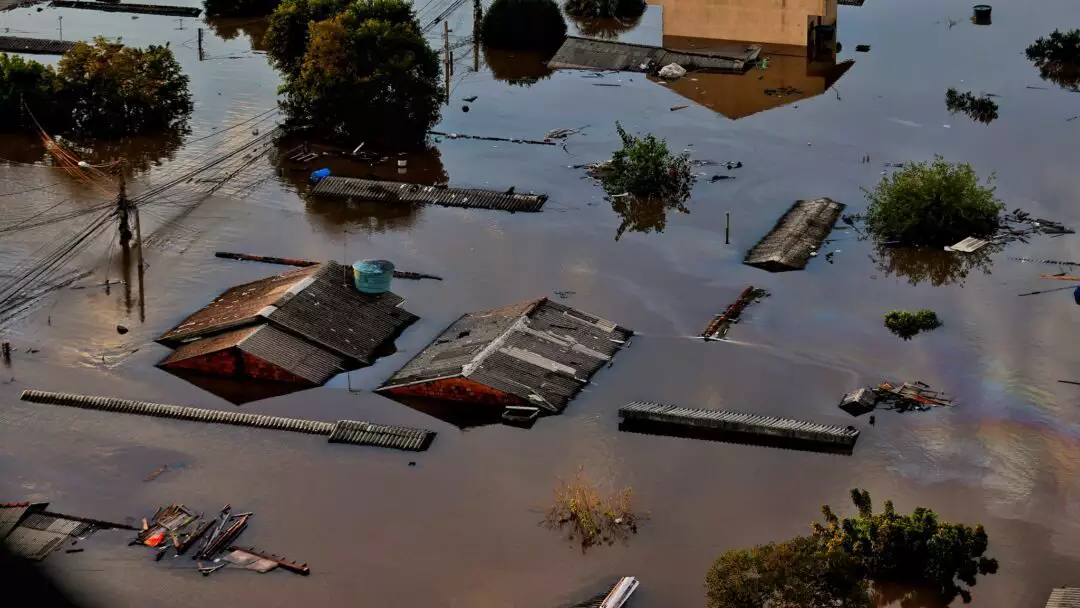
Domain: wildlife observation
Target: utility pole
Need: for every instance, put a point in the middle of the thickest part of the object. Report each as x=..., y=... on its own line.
x=200, y=45
x=61, y=19
x=446, y=58
x=478, y=17
x=123, y=207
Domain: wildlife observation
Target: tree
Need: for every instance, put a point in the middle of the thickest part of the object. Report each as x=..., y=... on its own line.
x=645, y=167
x=523, y=25
x=115, y=90
x=368, y=76
x=290, y=24
x=913, y=550
x=936, y=203
x=605, y=9
x=908, y=324
x=30, y=82
x=1058, y=58
x=239, y=8
x=799, y=573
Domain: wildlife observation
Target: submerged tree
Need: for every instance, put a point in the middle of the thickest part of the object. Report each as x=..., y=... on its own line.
x=290, y=25
x=909, y=324
x=936, y=203
x=239, y=8
x=1058, y=58
x=982, y=109
x=368, y=76
x=523, y=25
x=30, y=83
x=645, y=167
x=605, y=9
x=589, y=517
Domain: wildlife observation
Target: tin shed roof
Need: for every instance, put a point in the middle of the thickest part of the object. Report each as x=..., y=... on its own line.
x=539, y=350
x=1064, y=597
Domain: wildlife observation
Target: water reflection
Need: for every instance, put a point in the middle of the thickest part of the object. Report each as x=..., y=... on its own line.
x=605, y=29
x=980, y=109
x=141, y=153
x=520, y=68
x=645, y=214
x=936, y=266
x=237, y=391
x=229, y=28
x=293, y=170
x=475, y=415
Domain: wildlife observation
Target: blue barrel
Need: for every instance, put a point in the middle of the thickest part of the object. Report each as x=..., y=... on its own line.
x=318, y=176
x=373, y=276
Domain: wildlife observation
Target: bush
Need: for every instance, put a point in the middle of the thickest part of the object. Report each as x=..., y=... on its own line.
x=907, y=324
x=981, y=109
x=590, y=518
x=367, y=76
x=936, y=203
x=1058, y=58
x=239, y=8
x=290, y=25
x=523, y=25
x=605, y=9
x=645, y=167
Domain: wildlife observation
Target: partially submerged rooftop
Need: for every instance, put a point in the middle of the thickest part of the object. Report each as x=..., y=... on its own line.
x=591, y=54
x=301, y=326
x=797, y=234
x=537, y=353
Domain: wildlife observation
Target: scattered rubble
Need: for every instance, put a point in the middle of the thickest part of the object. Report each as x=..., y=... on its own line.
x=904, y=397
x=717, y=329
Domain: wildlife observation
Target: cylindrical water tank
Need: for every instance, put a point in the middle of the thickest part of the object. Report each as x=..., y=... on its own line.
x=373, y=276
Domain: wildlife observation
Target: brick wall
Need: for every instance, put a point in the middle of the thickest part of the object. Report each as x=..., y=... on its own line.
x=253, y=367
x=221, y=363
x=459, y=389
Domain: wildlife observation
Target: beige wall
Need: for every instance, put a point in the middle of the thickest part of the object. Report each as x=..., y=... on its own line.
x=783, y=22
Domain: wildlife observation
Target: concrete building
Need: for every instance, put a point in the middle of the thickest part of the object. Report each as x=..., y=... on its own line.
x=789, y=25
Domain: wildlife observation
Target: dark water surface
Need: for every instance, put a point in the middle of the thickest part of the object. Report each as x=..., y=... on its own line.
x=461, y=527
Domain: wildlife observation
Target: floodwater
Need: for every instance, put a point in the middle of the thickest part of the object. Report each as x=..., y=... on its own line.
x=461, y=527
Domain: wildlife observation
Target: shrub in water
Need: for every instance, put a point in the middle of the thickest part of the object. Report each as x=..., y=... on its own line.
x=523, y=24
x=645, y=167
x=589, y=517
x=907, y=324
x=936, y=203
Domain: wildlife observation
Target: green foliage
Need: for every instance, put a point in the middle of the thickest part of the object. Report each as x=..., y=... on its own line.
x=605, y=9
x=31, y=81
x=914, y=550
x=645, y=167
x=981, y=109
x=239, y=8
x=368, y=76
x=799, y=573
x=98, y=90
x=523, y=25
x=290, y=24
x=1058, y=58
x=907, y=324
x=936, y=203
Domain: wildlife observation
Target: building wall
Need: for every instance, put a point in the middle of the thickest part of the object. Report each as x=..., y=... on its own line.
x=256, y=368
x=220, y=363
x=783, y=22
x=459, y=389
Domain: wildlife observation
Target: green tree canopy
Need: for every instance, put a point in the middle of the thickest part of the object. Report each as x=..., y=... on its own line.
x=290, y=25
x=29, y=81
x=936, y=203
x=523, y=25
x=367, y=76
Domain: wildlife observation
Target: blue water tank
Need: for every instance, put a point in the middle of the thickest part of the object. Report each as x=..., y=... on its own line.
x=373, y=276
x=318, y=176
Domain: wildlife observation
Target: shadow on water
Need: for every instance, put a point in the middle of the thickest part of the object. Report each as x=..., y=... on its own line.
x=141, y=153
x=423, y=167
x=238, y=391
x=519, y=68
x=605, y=29
x=936, y=266
x=644, y=214
x=462, y=415
x=229, y=29
x=905, y=596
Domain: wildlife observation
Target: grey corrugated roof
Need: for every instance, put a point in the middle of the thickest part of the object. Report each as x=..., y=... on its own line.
x=798, y=232
x=10, y=514
x=42, y=46
x=592, y=54
x=1064, y=597
x=381, y=435
x=293, y=354
x=38, y=534
x=540, y=351
x=404, y=193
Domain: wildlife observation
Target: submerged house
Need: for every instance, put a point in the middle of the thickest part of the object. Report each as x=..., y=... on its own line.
x=300, y=327
x=528, y=357
x=30, y=531
x=790, y=26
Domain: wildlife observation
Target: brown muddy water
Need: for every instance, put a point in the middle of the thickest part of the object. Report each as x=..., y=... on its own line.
x=461, y=528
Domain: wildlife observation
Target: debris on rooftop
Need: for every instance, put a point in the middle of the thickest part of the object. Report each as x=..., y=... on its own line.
x=736, y=427
x=32, y=532
x=903, y=397
x=538, y=354
x=796, y=237
x=303, y=327
x=343, y=431
x=591, y=54
x=719, y=326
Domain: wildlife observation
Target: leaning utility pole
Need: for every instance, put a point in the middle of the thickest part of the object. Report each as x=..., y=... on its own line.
x=123, y=208
x=446, y=58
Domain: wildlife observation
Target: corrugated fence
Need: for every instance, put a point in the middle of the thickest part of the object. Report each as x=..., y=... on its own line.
x=400, y=192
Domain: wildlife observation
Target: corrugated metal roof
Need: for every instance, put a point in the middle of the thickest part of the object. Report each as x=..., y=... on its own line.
x=293, y=354
x=592, y=54
x=381, y=435
x=10, y=516
x=34, y=544
x=42, y=46
x=798, y=232
x=210, y=344
x=540, y=351
x=1064, y=597
x=127, y=7
x=739, y=422
x=399, y=192
x=968, y=245
x=238, y=306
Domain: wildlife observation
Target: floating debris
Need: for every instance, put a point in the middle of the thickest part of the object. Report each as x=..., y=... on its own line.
x=408, y=194
x=717, y=329
x=905, y=397
x=862, y=48
x=968, y=245
x=563, y=133
x=513, y=140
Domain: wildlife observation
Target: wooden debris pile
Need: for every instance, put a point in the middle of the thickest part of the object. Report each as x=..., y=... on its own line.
x=1019, y=224
x=902, y=397
x=179, y=529
x=717, y=329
